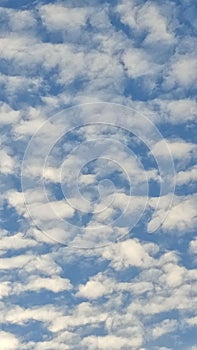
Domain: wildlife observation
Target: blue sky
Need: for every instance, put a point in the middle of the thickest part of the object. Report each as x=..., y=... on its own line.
x=98, y=175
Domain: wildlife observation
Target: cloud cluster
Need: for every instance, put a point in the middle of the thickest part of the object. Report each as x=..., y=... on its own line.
x=93, y=176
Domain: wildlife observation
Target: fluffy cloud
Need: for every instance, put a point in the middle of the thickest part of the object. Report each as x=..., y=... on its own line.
x=177, y=111
x=133, y=293
x=167, y=326
x=178, y=149
x=188, y=176
x=147, y=18
x=57, y=17
x=5, y=289
x=110, y=341
x=193, y=246
x=7, y=163
x=96, y=287
x=181, y=216
x=183, y=71
x=129, y=253
x=9, y=341
x=55, y=284
x=138, y=64
x=8, y=115
x=16, y=241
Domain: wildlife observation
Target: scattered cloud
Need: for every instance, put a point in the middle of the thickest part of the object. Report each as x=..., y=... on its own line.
x=99, y=182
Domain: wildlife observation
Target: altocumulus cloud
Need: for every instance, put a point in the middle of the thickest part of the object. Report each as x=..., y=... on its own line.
x=139, y=291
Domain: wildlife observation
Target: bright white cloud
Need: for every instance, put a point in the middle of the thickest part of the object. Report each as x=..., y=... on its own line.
x=141, y=54
x=138, y=63
x=19, y=315
x=188, y=176
x=178, y=149
x=177, y=111
x=147, y=17
x=129, y=253
x=5, y=289
x=193, y=246
x=16, y=241
x=8, y=115
x=166, y=326
x=55, y=284
x=9, y=341
x=183, y=71
x=7, y=163
x=15, y=262
x=57, y=17
x=96, y=287
x=192, y=321
x=181, y=217
x=111, y=341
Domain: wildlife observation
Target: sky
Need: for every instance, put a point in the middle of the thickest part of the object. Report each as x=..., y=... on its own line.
x=98, y=175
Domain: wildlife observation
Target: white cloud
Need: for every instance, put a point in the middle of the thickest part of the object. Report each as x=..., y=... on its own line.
x=84, y=314
x=179, y=149
x=68, y=58
x=138, y=63
x=128, y=253
x=50, y=236
x=12, y=46
x=188, y=176
x=28, y=128
x=57, y=17
x=16, y=241
x=111, y=341
x=8, y=115
x=55, y=284
x=150, y=18
x=51, y=174
x=16, y=200
x=96, y=287
x=21, y=20
x=128, y=11
x=193, y=246
x=7, y=162
x=18, y=20
x=177, y=111
x=147, y=17
x=15, y=84
x=192, y=321
x=9, y=341
x=159, y=281
x=92, y=290
x=165, y=327
x=15, y=262
x=181, y=216
x=5, y=289
x=183, y=71
x=57, y=343
x=29, y=263
x=44, y=264
x=39, y=209
x=103, y=66
x=19, y=315
x=51, y=210
x=174, y=275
